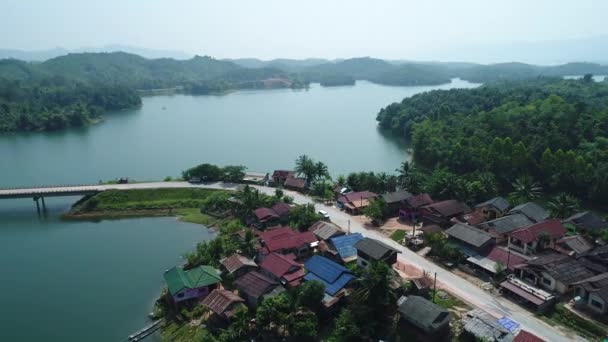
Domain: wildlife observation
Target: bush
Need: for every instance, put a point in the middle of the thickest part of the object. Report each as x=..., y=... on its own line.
x=398, y=235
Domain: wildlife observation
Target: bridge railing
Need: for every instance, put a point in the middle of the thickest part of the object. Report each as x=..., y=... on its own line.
x=47, y=186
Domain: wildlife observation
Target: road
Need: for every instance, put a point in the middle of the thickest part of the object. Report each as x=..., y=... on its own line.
x=468, y=292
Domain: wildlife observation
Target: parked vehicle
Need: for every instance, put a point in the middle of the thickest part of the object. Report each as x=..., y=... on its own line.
x=123, y=180
x=324, y=214
x=195, y=180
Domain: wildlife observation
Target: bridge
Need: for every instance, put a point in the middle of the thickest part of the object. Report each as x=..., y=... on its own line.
x=38, y=193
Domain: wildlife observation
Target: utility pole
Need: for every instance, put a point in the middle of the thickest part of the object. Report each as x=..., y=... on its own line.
x=348, y=227
x=435, y=287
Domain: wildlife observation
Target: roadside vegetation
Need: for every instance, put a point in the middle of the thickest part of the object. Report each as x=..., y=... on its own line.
x=587, y=329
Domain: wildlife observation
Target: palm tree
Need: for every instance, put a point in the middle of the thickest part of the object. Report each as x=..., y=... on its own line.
x=341, y=181
x=321, y=171
x=525, y=189
x=563, y=205
x=408, y=178
x=306, y=167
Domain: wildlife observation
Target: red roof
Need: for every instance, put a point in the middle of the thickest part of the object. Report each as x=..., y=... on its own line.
x=553, y=228
x=282, y=173
x=357, y=196
x=220, y=300
x=281, y=208
x=419, y=200
x=263, y=214
x=525, y=336
x=277, y=233
x=290, y=241
x=474, y=218
x=279, y=265
x=498, y=254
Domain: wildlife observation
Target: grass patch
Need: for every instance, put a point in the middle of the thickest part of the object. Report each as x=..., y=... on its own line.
x=194, y=215
x=116, y=204
x=449, y=302
x=182, y=332
x=398, y=235
x=585, y=328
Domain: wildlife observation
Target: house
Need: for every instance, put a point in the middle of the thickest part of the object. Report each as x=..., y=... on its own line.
x=537, y=236
x=528, y=295
x=525, y=336
x=260, y=178
x=592, y=293
x=325, y=230
x=254, y=287
x=237, y=265
x=224, y=304
x=554, y=272
x=334, y=276
x=471, y=240
x=422, y=313
x=587, y=221
x=280, y=176
x=396, y=201
x=293, y=183
x=496, y=260
x=412, y=204
x=282, y=209
x=573, y=245
x=344, y=245
x=265, y=217
x=495, y=208
x=354, y=202
x=532, y=210
x=431, y=229
x=596, y=259
x=369, y=250
x=501, y=227
x=282, y=268
x=275, y=215
x=481, y=326
x=441, y=213
x=285, y=240
x=474, y=218
x=191, y=284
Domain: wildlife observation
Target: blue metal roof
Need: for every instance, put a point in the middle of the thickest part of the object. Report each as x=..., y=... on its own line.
x=345, y=244
x=333, y=275
x=508, y=324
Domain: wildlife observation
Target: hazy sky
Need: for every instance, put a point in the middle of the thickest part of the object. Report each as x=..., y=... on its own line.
x=305, y=28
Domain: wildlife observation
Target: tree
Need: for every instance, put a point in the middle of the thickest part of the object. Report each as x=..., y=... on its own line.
x=374, y=295
x=303, y=216
x=376, y=210
x=278, y=193
x=233, y=173
x=310, y=294
x=341, y=181
x=588, y=78
x=525, y=189
x=346, y=328
x=272, y=316
x=563, y=205
x=306, y=167
x=321, y=171
x=206, y=172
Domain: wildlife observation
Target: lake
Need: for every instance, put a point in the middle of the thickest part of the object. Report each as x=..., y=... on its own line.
x=96, y=281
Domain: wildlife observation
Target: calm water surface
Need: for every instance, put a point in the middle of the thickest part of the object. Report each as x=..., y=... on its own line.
x=87, y=281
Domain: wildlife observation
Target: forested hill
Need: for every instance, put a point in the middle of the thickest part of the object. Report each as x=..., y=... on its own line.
x=408, y=73
x=119, y=68
x=74, y=90
x=553, y=130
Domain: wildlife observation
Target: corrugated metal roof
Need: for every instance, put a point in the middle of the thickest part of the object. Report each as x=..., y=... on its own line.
x=325, y=230
x=236, y=261
x=345, y=244
x=471, y=235
x=333, y=275
x=532, y=210
x=177, y=279
x=220, y=300
x=374, y=248
x=255, y=284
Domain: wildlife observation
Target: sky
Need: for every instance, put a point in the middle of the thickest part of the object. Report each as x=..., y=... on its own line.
x=402, y=29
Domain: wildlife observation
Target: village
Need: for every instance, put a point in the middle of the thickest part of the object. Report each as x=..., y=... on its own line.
x=541, y=263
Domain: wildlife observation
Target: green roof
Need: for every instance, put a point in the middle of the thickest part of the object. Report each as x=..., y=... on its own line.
x=177, y=279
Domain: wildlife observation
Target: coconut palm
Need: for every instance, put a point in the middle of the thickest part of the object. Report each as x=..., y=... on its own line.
x=306, y=167
x=525, y=189
x=563, y=205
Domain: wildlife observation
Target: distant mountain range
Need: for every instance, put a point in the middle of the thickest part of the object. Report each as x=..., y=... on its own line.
x=43, y=55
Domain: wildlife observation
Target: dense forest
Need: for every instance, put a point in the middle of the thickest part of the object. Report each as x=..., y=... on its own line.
x=551, y=131
x=54, y=103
